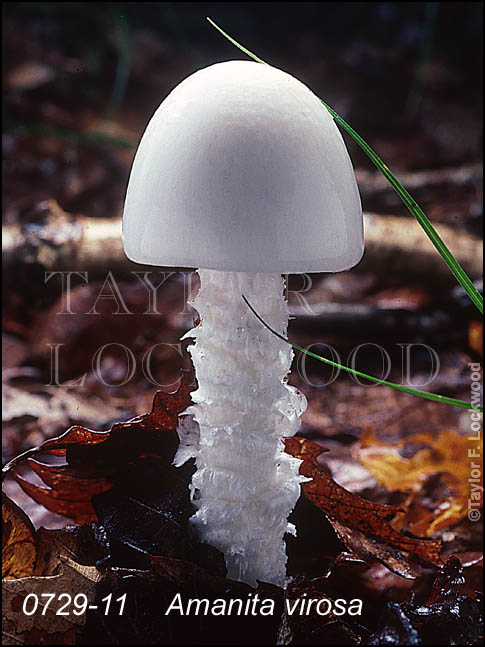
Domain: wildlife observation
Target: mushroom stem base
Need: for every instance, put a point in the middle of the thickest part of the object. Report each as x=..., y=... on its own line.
x=245, y=485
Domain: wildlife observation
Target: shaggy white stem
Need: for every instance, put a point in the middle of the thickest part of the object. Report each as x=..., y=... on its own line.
x=245, y=485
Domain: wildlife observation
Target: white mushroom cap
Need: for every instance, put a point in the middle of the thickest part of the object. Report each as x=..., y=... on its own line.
x=242, y=168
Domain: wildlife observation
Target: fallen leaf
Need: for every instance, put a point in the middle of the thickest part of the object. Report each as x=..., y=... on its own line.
x=46, y=626
x=147, y=515
x=19, y=550
x=310, y=628
x=408, y=464
x=395, y=627
x=68, y=564
x=96, y=460
x=53, y=407
x=63, y=566
x=451, y=615
x=150, y=592
x=126, y=481
x=364, y=527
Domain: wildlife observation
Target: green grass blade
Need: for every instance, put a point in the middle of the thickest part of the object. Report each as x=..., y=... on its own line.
x=234, y=42
x=456, y=269
x=399, y=387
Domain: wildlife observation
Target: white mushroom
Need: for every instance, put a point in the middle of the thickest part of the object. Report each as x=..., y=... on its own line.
x=242, y=173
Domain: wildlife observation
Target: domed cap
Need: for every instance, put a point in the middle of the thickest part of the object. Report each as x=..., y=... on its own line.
x=242, y=168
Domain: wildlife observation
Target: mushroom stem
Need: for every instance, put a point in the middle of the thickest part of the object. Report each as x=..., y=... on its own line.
x=245, y=485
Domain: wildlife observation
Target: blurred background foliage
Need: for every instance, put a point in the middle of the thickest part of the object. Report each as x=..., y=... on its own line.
x=408, y=76
x=384, y=65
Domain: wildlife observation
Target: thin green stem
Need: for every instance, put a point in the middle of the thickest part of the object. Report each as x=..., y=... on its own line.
x=399, y=387
x=456, y=269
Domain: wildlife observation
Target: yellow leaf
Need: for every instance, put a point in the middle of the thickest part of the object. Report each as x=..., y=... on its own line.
x=19, y=550
x=406, y=465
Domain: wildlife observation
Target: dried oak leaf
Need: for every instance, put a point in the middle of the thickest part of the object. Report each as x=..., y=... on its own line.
x=52, y=408
x=408, y=464
x=363, y=527
x=86, y=545
x=97, y=460
x=63, y=565
x=19, y=543
x=47, y=628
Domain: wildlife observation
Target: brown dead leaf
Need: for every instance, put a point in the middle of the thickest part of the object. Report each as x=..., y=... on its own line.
x=95, y=460
x=408, y=464
x=57, y=571
x=19, y=550
x=364, y=527
x=367, y=548
x=54, y=408
x=311, y=628
x=46, y=627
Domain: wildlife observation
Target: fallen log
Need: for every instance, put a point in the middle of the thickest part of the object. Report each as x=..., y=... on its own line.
x=373, y=182
x=398, y=245
x=61, y=241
